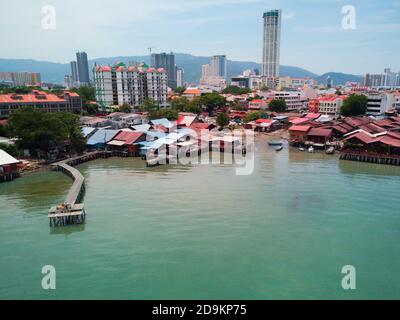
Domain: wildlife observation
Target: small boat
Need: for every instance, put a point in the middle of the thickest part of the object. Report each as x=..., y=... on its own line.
x=279, y=148
x=330, y=150
x=311, y=149
x=302, y=149
x=275, y=143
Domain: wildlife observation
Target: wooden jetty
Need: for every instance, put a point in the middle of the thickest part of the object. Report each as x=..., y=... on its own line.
x=72, y=211
x=371, y=158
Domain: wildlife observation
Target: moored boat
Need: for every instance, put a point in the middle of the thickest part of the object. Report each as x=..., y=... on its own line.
x=275, y=143
x=279, y=148
x=330, y=150
x=311, y=149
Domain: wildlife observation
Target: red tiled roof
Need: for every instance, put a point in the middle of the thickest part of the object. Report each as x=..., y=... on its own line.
x=320, y=132
x=313, y=115
x=264, y=121
x=299, y=120
x=300, y=128
x=128, y=137
x=27, y=98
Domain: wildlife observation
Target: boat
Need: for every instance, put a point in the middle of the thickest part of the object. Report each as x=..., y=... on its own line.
x=302, y=149
x=311, y=149
x=279, y=148
x=330, y=150
x=275, y=143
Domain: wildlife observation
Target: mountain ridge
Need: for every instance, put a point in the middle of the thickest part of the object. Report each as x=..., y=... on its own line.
x=54, y=71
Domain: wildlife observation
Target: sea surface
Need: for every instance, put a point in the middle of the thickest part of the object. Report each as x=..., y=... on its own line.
x=203, y=232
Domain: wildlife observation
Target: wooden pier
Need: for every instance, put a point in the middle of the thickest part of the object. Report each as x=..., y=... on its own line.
x=371, y=158
x=72, y=210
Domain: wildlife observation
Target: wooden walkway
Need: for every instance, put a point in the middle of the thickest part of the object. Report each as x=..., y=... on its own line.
x=72, y=210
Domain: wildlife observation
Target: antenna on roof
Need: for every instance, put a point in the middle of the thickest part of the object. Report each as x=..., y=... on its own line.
x=150, y=49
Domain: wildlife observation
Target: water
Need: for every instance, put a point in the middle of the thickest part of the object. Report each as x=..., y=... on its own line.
x=201, y=232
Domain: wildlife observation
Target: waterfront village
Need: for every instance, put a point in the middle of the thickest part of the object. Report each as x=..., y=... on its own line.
x=140, y=111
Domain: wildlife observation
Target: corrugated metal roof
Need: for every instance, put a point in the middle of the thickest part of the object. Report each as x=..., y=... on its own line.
x=6, y=159
x=102, y=137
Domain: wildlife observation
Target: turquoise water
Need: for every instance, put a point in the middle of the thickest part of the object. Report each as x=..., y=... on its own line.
x=201, y=232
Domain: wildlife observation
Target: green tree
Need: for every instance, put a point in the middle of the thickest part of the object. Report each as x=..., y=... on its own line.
x=11, y=149
x=238, y=107
x=179, y=90
x=125, y=108
x=236, y=90
x=149, y=105
x=277, y=105
x=222, y=119
x=180, y=104
x=252, y=116
x=354, y=105
x=39, y=130
x=212, y=101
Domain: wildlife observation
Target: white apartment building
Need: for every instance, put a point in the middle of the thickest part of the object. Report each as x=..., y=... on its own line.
x=379, y=103
x=330, y=105
x=118, y=85
x=294, y=100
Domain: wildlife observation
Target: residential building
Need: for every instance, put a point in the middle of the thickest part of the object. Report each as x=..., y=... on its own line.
x=117, y=85
x=67, y=102
x=379, y=103
x=74, y=73
x=258, y=104
x=180, y=73
x=83, y=68
x=8, y=166
x=330, y=104
x=271, y=44
x=387, y=79
x=294, y=100
x=167, y=62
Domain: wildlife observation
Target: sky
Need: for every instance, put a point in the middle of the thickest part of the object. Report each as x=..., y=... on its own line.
x=312, y=33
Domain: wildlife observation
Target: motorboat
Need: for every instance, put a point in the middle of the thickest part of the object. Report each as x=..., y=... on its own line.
x=275, y=143
x=302, y=149
x=330, y=150
x=279, y=148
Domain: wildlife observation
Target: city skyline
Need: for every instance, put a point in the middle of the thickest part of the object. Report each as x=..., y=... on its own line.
x=312, y=33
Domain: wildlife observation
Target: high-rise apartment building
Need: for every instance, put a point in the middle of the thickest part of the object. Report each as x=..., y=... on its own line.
x=180, y=73
x=117, y=85
x=74, y=72
x=22, y=78
x=167, y=62
x=271, y=44
x=219, y=66
x=83, y=68
x=387, y=79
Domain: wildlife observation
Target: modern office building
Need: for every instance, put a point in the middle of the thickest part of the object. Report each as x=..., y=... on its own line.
x=271, y=44
x=117, y=85
x=167, y=62
x=219, y=66
x=83, y=68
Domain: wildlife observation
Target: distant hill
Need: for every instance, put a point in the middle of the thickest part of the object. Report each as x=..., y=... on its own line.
x=54, y=72
x=339, y=78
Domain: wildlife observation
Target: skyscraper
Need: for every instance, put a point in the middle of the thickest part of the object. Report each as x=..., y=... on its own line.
x=83, y=68
x=219, y=66
x=180, y=77
x=166, y=61
x=271, y=43
x=74, y=72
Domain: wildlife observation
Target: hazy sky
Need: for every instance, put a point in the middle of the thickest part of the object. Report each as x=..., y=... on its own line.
x=312, y=33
